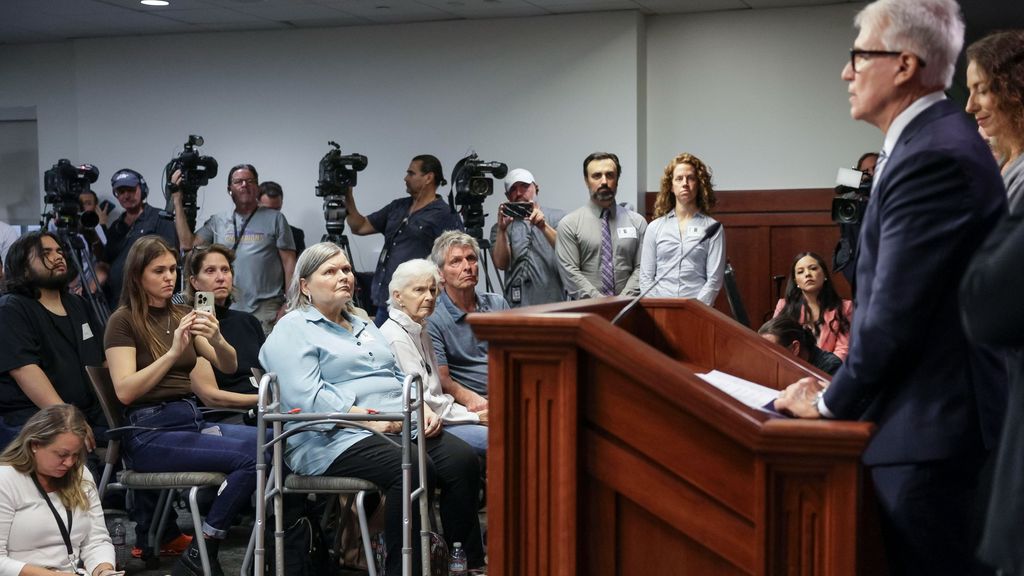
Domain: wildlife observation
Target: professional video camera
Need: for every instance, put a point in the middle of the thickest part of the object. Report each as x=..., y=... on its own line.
x=337, y=176
x=853, y=188
x=472, y=186
x=196, y=171
x=62, y=184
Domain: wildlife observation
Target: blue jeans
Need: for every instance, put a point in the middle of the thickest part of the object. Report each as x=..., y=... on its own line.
x=473, y=434
x=179, y=446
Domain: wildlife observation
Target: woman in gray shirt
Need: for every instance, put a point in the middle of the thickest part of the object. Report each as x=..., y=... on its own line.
x=681, y=218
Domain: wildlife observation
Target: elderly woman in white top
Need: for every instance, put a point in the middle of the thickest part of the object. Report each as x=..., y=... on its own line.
x=414, y=288
x=681, y=219
x=51, y=520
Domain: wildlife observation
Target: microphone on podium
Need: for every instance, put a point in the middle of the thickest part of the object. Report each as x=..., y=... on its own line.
x=708, y=233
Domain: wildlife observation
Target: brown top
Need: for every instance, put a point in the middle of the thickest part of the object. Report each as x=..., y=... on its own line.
x=120, y=332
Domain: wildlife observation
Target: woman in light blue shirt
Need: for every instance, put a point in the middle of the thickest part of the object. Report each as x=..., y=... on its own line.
x=681, y=218
x=329, y=360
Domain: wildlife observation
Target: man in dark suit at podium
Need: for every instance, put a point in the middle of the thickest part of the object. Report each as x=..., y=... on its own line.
x=935, y=398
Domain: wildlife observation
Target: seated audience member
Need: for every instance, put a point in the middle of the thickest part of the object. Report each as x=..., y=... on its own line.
x=461, y=358
x=47, y=337
x=210, y=269
x=159, y=355
x=681, y=214
x=329, y=360
x=414, y=290
x=45, y=493
x=272, y=197
x=789, y=334
x=811, y=299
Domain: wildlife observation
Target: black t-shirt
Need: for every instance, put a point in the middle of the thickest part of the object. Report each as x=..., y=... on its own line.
x=62, y=346
x=243, y=331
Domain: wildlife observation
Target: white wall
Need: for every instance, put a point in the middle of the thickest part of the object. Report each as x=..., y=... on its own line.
x=540, y=93
x=755, y=94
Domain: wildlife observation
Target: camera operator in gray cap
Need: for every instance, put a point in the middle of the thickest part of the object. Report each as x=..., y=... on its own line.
x=523, y=243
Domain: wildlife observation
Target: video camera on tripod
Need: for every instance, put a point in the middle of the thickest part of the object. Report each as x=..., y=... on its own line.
x=196, y=172
x=62, y=184
x=337, y=176
x=472, y=185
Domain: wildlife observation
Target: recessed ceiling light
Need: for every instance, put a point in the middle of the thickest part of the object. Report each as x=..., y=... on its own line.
x=155, y=2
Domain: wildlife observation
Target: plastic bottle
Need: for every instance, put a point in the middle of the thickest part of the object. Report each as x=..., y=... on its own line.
x=117, y=538
x=457, y=563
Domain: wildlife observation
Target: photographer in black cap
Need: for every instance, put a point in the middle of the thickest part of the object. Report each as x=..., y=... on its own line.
x=138, y=219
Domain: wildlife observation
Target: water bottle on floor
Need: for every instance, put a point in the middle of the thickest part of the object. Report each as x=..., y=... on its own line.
x=118, y=539
x=457, y=563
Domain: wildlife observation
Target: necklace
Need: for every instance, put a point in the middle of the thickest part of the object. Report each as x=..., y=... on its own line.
x=168, y=329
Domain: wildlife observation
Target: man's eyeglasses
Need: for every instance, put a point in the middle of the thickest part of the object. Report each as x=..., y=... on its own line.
x=243, y=181
x=859, y=56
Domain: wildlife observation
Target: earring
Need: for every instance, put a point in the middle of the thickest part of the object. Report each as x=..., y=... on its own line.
x=309, y=299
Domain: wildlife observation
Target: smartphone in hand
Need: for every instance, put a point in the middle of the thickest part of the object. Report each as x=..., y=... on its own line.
x=204, y=302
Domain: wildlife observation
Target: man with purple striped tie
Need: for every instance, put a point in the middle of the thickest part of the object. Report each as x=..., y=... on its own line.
x=599, y=243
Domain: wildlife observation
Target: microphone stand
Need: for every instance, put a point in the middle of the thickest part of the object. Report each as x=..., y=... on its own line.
x=708, y=233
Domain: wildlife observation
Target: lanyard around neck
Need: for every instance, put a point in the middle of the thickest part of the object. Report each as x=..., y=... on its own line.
x=234, y=224
x=65, y=530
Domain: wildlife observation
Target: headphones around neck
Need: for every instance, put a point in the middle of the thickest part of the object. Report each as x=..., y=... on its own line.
x=142, y=181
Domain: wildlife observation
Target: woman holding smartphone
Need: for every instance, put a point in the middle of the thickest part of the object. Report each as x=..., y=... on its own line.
x=159, y=354
x=210, y=285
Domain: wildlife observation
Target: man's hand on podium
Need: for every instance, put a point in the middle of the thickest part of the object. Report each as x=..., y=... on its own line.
x=800, y=399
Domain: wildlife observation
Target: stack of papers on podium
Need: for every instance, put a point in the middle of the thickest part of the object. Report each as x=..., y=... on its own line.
x=747, y=392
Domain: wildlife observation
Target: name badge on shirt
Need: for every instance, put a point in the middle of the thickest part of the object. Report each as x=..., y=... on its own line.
x=626, y=232
x=86, y=331
x=694, y=231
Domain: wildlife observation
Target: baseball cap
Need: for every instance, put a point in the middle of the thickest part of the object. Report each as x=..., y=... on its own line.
x=518, y=175
x=124, y=179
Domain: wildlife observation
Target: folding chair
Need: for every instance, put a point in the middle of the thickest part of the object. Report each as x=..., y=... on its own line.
x=270, y=411
x=128, y=479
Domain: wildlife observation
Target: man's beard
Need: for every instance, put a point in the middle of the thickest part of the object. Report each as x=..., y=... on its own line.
x=603, y=194
x=51, y=280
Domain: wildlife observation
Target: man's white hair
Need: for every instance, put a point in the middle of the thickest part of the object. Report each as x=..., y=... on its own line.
x=931, y=29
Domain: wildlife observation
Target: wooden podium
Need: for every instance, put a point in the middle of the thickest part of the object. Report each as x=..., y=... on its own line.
x=608, y=455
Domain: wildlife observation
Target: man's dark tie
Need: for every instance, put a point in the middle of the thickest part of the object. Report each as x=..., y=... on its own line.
x=607, y=267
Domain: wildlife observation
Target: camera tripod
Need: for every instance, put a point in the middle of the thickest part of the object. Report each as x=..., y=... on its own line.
x=80, y=257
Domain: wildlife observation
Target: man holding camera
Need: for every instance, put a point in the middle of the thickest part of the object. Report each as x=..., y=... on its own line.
x=261, y=239
x=599, y=244
x=410, y=225
x=524, y=244
x=138, y=219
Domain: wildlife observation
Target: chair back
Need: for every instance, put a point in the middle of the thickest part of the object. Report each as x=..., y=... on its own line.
x=103, y=386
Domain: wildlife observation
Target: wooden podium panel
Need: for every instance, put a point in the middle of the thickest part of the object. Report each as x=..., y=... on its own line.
x=608, y=455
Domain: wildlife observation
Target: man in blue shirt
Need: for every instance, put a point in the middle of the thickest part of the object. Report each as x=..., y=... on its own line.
x=461, y=358
x=410, y=225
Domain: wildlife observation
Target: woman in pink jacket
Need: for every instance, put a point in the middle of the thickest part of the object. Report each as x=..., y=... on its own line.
x=812, y=300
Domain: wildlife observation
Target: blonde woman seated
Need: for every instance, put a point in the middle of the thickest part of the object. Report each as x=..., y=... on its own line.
x=414, y=288
x=45, y=492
